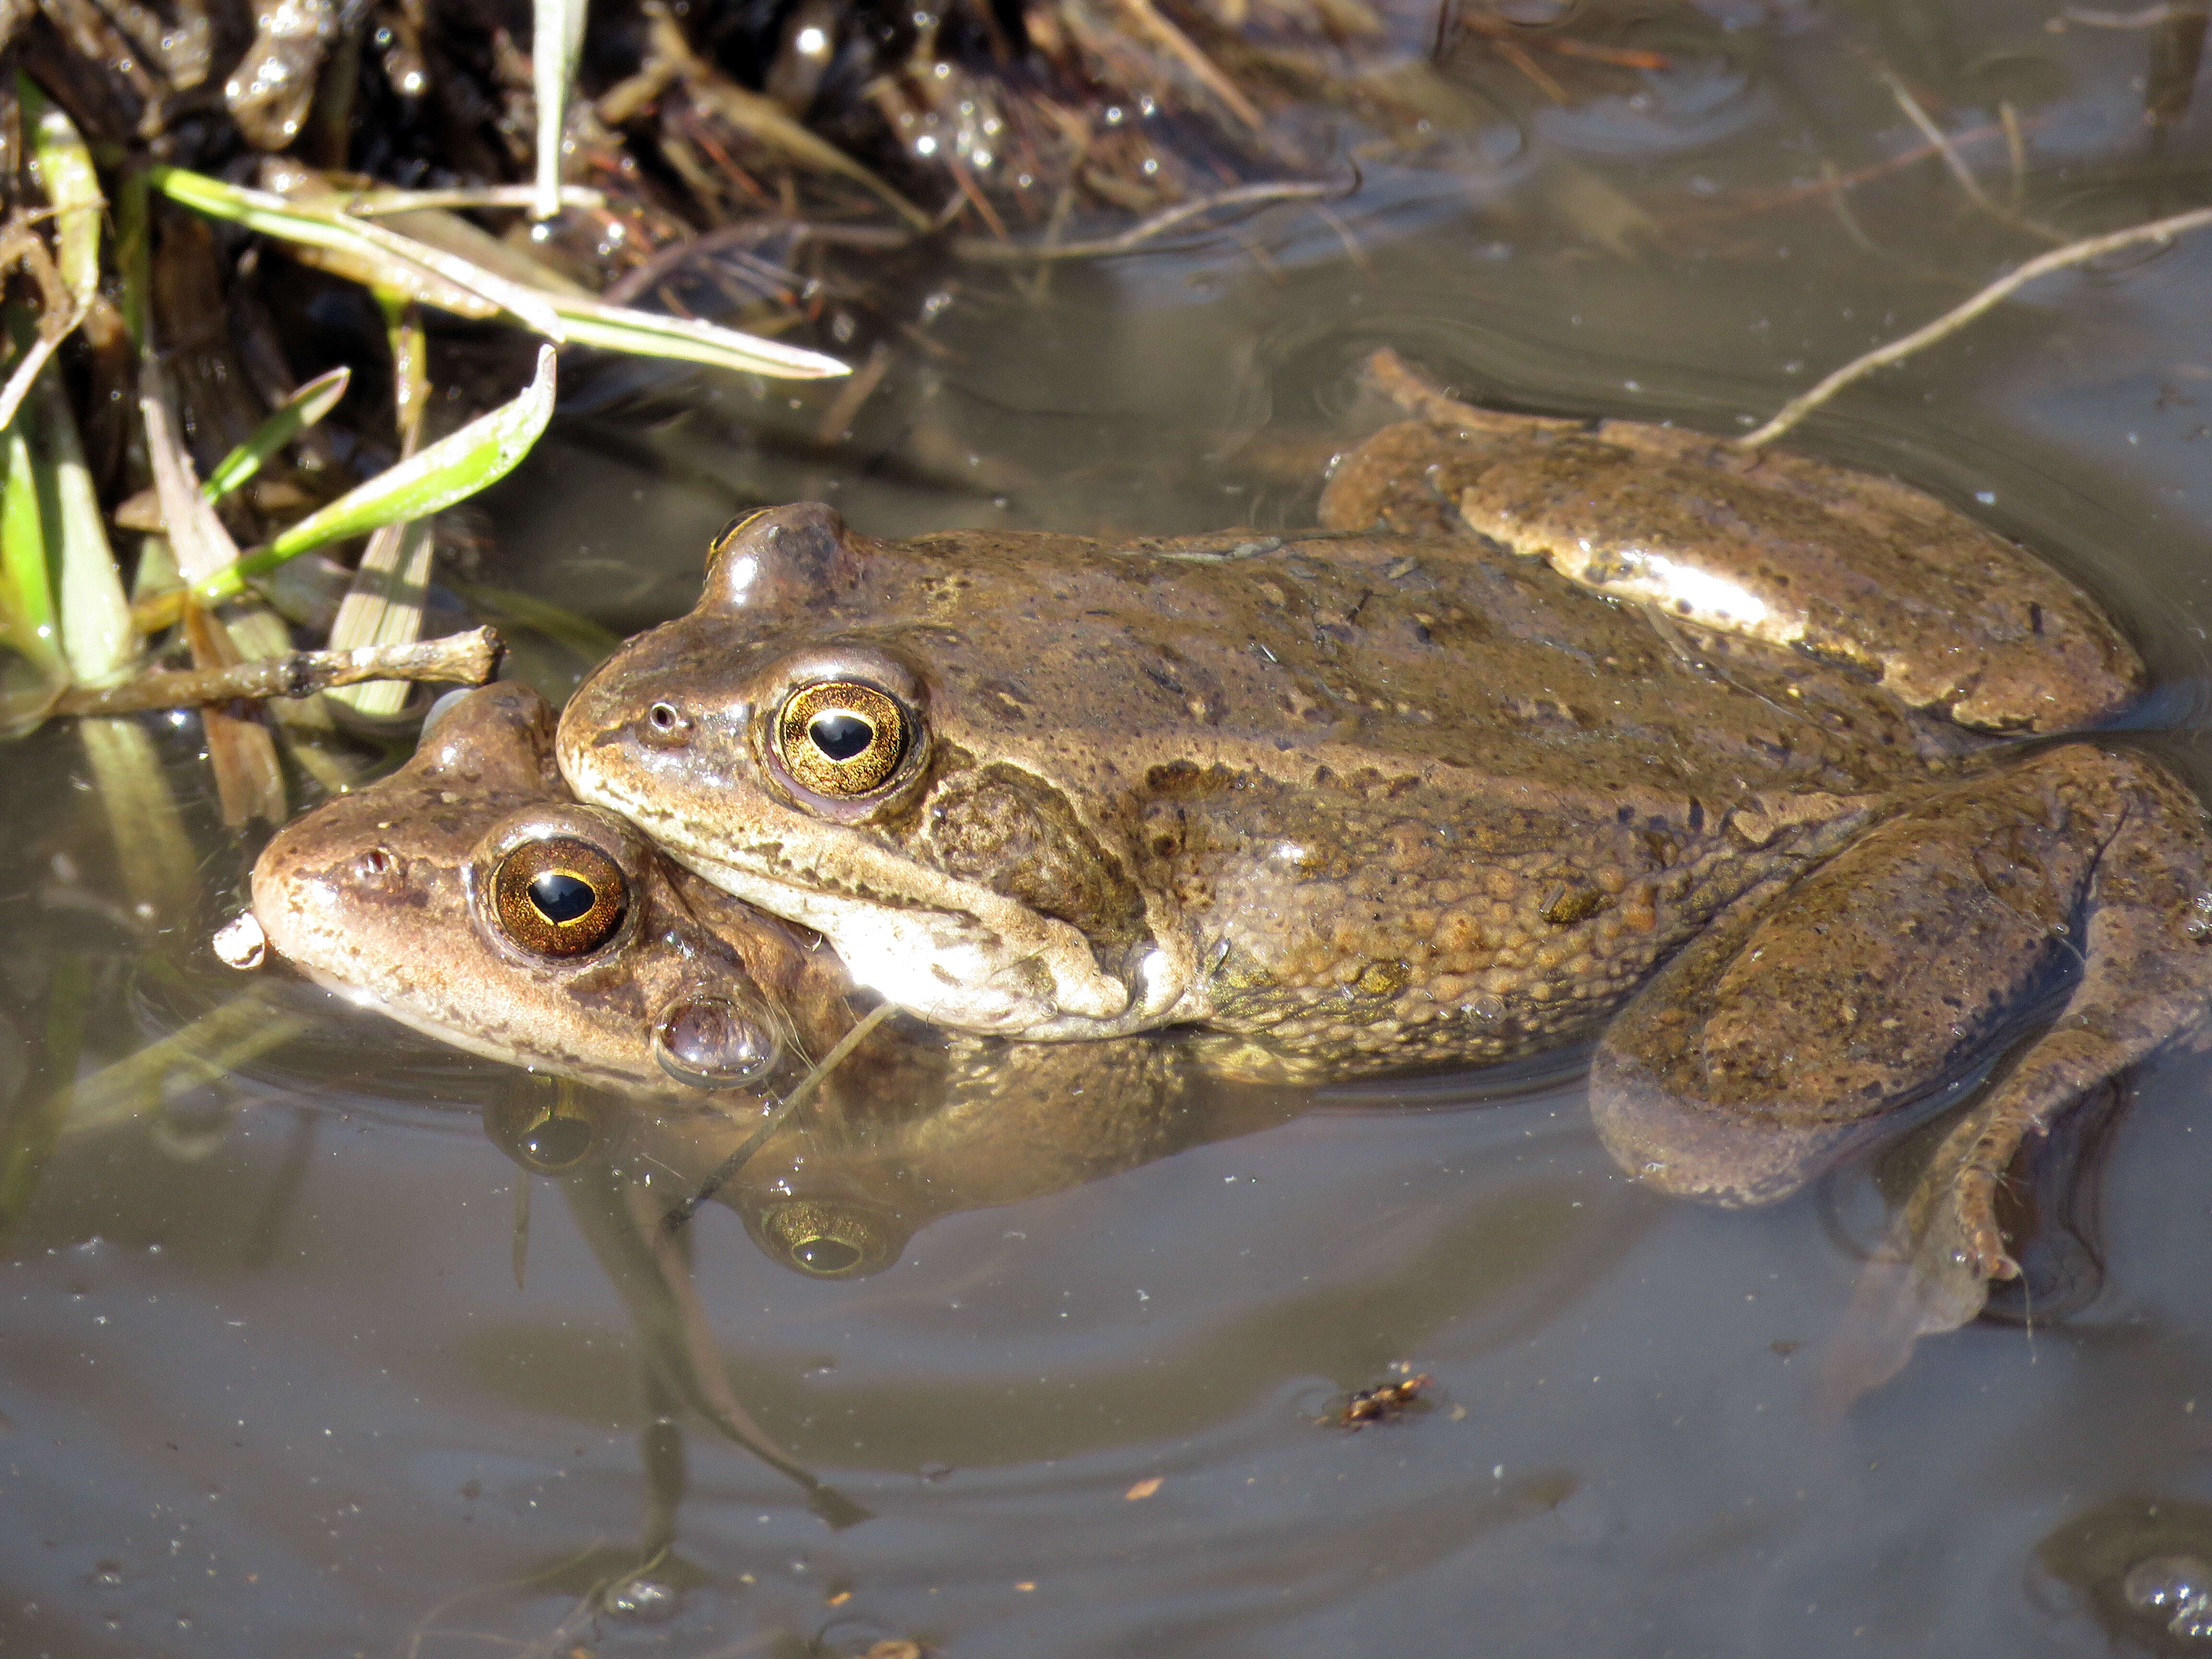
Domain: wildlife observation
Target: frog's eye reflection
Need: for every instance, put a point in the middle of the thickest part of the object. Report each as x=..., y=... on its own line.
x=840, y=738
x=560, y=897
x=831, y=1240
x=548, y=1125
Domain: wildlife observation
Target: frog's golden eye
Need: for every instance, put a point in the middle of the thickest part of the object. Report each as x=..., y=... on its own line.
x=840, y=738
x=560, y=897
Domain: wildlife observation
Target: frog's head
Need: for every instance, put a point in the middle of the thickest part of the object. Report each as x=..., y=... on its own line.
x=852, y=734
x=469, y=896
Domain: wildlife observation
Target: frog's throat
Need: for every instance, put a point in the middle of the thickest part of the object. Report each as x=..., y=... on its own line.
x=965, y=955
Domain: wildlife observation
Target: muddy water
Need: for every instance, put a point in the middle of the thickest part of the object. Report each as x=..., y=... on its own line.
x=269, y=1384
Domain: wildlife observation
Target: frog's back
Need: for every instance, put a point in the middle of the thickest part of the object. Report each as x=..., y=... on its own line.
x=1426, y=662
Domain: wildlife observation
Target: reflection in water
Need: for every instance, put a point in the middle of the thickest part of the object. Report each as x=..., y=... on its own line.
x=843, y=1182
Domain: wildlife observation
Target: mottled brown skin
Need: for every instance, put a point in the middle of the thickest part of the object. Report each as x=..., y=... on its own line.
x=1545, y=705
x=378, y=894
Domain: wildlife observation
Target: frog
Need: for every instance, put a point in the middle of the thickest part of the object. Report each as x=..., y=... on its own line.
x=469, y=896
x=656, y=1031
x=1775, y=780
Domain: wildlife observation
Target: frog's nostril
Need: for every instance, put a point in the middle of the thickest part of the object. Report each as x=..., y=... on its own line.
x=377, y=863
x=665, y=724
x=715, y=1043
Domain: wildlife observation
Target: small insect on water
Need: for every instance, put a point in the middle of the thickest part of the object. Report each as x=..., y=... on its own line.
x=1382, y=1403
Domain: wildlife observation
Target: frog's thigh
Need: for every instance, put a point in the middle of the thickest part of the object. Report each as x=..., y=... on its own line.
x=1792, y=550
x=1776, y=1038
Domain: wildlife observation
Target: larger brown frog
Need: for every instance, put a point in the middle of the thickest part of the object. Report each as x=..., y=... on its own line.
x=1555, y=727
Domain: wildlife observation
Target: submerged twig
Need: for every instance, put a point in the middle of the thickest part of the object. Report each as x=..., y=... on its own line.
x=1957, y=165
x=2059, y=258
x=674, y=1220
x=2149, y=17
x=975, y=247
x=469, y=658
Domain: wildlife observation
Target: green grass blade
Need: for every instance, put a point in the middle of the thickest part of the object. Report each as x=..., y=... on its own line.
x=134, y=252
x=396, y=261
x=368, y=252
x=454, y=468
x=651, y=334
x=28, y=624
x=62, y=166
x=97, y=639
x=305, y=406
x=556, y=41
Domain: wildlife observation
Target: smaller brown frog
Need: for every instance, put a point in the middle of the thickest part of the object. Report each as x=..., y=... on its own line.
x=468, y=896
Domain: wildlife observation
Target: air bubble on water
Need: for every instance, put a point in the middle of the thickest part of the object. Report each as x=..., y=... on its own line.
x=643, y=1601
x=2180, y=1586
x=2163, y=1582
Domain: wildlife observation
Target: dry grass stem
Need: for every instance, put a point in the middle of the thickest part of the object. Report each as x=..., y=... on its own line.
x=674, y=1220
x=469, y=658
x=2059, y=258
x=1208, y=73
x=249, y=779
x=374, y=204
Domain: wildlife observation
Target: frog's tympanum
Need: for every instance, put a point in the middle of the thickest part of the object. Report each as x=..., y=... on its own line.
x=1555, y=726
x=469, y=896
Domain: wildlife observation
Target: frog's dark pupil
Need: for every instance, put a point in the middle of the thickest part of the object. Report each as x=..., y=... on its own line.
x=560, y=896
x=824, y=1255
x=839, y=735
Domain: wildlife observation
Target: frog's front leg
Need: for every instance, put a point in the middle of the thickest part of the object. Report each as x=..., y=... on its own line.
x=1789, y=1028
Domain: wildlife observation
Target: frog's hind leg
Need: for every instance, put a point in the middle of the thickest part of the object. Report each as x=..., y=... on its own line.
x=2146, y=980
x=1786, y=1032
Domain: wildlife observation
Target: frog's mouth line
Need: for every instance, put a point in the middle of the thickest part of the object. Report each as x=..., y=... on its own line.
x=961, y=954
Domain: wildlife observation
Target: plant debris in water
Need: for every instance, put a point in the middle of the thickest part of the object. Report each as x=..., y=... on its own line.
x=1384, y=1402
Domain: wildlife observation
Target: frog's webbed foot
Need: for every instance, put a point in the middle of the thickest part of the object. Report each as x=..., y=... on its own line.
x=1928, y=1277
x=1877, y=977
x=1935, y=1269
